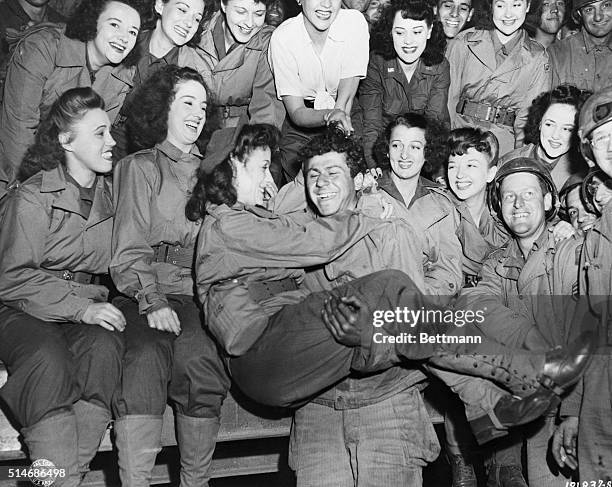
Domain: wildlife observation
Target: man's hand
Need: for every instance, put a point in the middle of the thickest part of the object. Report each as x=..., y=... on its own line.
x=344, y=318
x=105, y=315
x=164, y=319
x=564, y=443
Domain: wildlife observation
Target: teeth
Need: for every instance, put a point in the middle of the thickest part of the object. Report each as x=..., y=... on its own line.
x=452, y=23
x=107, y=155
x=180, y=31
x=463, y=185
x=118, y=47
x=520, y=215
x=323, y=15
x=324, y=196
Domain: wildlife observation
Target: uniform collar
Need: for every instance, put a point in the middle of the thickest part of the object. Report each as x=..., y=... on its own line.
x=481, y=44
x=54, y=181
x=177, y=155
x=386, y=183
x=589, y=45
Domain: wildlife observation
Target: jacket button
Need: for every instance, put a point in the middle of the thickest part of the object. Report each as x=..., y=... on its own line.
x=520, y=296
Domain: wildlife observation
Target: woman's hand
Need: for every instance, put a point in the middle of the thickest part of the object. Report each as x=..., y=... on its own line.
x=270, y=191
x=105, y=315
x=563, y=230
x=564, y=443
x=164, y=319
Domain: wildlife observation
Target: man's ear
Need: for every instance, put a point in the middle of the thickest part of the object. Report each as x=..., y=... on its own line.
x=64, y=140
x=159, y=6
x=547, y=201
x=358, y=181
x=491, y=172
x=469, y=17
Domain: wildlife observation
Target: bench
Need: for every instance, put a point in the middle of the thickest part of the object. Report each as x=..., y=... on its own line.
x=252, y=440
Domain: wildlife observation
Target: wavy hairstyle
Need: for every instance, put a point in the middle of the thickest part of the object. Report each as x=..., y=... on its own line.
x=564, y=94
x=462, y=139
x=149, y=22
x=83, y=23
x=382, y=39
x=334, y=140
x=147, y=119
x=436, y=147
x=217, y=186
x=47, y=153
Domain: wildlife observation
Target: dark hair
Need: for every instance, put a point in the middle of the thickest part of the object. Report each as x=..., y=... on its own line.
x=483, y=15
x=147, y=119
x=564, y=94
x=83, y=23
x=47, y=153
x=436, y=147
x=462, y=139
x=534, y=16
x=210, y=7
x=382, y=39
x=217, y=186
x=334, y=140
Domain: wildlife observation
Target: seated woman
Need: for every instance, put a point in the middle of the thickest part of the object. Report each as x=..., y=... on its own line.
x=92, y=51
x=318, y=59
x=551, y=133
x=58, y=336
x=153, y=249
x=172, y=40
x=235, y=47
x=407, y=71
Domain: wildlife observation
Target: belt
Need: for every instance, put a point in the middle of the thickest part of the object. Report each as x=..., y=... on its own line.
x=486, y=112
x=66, y=275
x=261, y=290
x=174, y=254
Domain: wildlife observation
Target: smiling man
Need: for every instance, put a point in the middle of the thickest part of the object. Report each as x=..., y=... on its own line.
x=585, y=58
x=454, y=15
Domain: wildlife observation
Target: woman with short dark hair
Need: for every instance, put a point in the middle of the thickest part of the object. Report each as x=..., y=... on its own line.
x=407, y=71
x=93, y=50
x=153, y=250
x=59, y=338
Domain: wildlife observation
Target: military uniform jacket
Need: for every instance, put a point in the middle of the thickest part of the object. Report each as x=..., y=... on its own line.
x=518, y=295
x=385, y=93
x=44, y=65
x=242, y=81
x=577, y=61
x=239, y=245
x=514, y=84
x=151, y=189
x=43, y=228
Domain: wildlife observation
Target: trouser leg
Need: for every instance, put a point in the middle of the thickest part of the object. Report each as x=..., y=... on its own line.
x=198, y=387
x=141, y=398
x=41, y=376
x=542, y=469
x=297, y=338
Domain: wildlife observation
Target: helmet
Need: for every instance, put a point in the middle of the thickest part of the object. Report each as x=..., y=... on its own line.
x=524, y=164
x=578, y=4
x=596, y=111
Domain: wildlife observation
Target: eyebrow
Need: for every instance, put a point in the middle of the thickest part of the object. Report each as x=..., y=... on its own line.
x=103, y=126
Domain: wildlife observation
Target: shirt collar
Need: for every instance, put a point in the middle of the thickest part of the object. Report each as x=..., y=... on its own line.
x=509, y=46
x=590, y=45
x=335, y=32
x=177, y=155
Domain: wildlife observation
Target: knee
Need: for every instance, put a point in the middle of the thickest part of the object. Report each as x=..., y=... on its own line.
x=152, y=350
x=104, y=345
x=50, y=361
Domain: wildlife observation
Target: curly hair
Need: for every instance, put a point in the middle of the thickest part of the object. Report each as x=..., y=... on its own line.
x=334, y=140
x=147, y=111
x=534, y=16
x=436, y=147
x=462, y=139
x=382, y=39
x=149, y=22
x=46, y=152
x=83, y=23
x=217, y=186
x=563, y=94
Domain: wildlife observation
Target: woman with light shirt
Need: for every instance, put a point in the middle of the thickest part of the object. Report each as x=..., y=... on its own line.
x=318, y=59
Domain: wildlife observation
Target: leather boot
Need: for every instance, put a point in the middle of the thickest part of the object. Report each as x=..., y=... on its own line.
x=138, y=441
x=557, y=370
x=463, y=472
x=92, y=422
x=513, y=411
x=55, y=439
x=506, y=476
x=196, y=438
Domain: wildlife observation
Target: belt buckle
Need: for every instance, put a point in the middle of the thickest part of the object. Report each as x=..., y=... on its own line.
x=226, y=112
x=496, y=114
x=67, y=275
x=487, y=117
